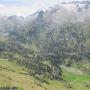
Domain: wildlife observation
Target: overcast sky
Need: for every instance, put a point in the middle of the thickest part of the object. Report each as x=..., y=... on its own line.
x=26, y=7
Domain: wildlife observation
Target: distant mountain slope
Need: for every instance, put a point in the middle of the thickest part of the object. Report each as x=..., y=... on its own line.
x=9, y=23
x=47, y=40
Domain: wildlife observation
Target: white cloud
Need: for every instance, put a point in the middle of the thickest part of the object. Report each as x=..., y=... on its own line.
x=32, y=6
x=2, y=6
x=12, y=10
x=22, y=10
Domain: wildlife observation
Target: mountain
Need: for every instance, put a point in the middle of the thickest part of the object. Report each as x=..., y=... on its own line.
x=9, y=23
x=52, y=46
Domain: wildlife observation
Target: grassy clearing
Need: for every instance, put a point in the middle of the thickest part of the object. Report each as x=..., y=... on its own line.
x=78, y=82
x=71, y=76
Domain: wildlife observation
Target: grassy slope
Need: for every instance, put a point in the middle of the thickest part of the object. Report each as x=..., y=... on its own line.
x=13, y=75
x=78, y=82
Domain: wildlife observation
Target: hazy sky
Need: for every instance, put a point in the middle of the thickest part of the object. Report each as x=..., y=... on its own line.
x=25, y=7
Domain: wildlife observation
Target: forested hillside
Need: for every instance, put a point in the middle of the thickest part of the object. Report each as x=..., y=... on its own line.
x=51, y=46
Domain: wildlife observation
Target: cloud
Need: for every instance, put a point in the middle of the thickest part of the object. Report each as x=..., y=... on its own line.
x=16, y=10
x=25, y=7
x=2, y=6
x=22, y=10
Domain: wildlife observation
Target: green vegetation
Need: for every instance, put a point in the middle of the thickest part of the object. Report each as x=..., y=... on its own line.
x=44, y=53
x=12, y=75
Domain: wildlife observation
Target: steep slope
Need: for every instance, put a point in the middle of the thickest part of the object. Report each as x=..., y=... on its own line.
x=50, y=38
x=49, y=47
